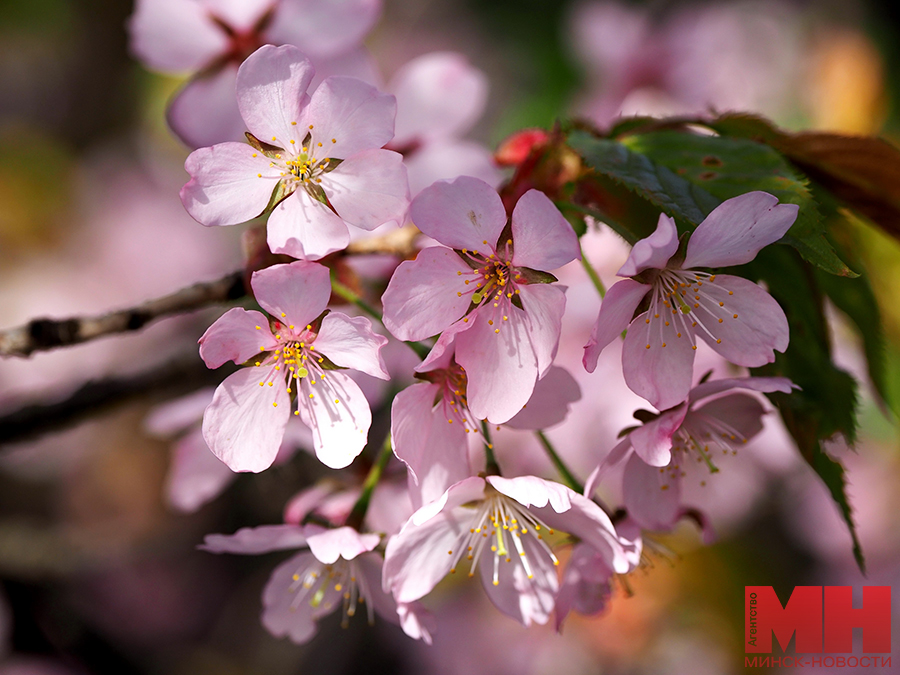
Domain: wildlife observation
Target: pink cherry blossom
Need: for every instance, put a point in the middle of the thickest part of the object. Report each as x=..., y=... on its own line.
x=339, y=569
x=736, y=317
x=431, y=421
x=496, y=526
x=659, y=454
x=318, y=158
x=440, y=96
x=296, y=354
x=486, y=291
x=210, y=39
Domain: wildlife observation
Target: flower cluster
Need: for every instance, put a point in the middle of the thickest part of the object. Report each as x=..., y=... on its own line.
x=483, y=309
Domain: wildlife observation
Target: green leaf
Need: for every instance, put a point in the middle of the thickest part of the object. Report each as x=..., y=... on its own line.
x=728, y=167
x=827, y=400
x=650, y=181
x=832, y=473
x=854, y=297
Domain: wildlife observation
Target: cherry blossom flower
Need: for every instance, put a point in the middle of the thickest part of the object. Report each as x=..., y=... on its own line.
x=440, y=96
x=431, y=421
x=488, y=291
x=339, y=569
x=660, y=453
x=737, y=318
x=296, y=356
x=316, y=159
x=497, y=526
x=210, y=38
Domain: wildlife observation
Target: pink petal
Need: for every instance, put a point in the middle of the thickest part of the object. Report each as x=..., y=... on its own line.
x=271, y=93
x=542, y=238
x=338, y=414
x=241, y=425
x=622, y=450
x=204, y=111
x=462, y=213
x=348, y=116
x=280, y=617
x=442, y=354
x=358, y=63
x=369, y=567
x=501, y=367
x=416, y=559
x=295, y=293
x=435, y=451
x=323, y=29
x=196, y=476
x=741, y=412
x=305, y=228
x=439, y=95
x=589, y=523
x=762, y=384
x=369, y=189
x=544, y=308
x=446, y=159
x=654, y=251
x=349, y=342
x=255, y=540
x=237, y=336
x=469, y=489
x=230, y=183
x=342, y=542
x=178, y=415
x=616, y=312
x=533, y=491
x=426, y=295
x=737, y=229
x=526, y=600
x=662, y=375
x=175, y=36
x=652, y=497
x=308, y=501
x=238, y=14
x=549, y=404
x=586, y=586
x=416, y=621
x=652, y=441
x=760, y=327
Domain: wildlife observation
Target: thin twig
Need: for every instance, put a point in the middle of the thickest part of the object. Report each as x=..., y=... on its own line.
x=44, y=334
x=564, y=471
x=180, y=375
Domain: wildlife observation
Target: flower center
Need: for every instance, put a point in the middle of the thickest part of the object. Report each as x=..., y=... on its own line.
x=684, y=302
x=501, y=525
x=701, y=438
x=323, y=586
x=294, y=359
x=492, y=283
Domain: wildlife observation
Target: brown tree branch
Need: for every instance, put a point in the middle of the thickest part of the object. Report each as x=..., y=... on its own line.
x=42, y=334
x=181, y=375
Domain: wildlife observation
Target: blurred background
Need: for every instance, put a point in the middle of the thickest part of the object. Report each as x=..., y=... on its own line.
x=98, y=567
